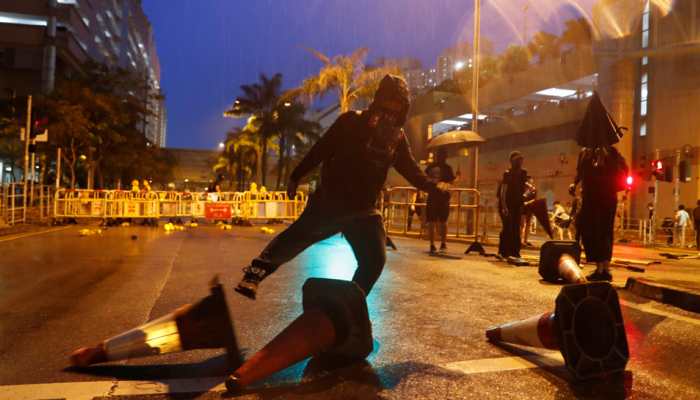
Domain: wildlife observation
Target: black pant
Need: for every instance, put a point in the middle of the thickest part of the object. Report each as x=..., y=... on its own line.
x=697, y=234
x=596, y=222
x=364, y=233
x=509, y=239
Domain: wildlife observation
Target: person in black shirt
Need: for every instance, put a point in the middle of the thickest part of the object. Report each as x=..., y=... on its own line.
x=438, y=205
x=356, y=153
x=511, y=192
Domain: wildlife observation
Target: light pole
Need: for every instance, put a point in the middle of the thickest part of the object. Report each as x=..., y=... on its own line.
x=475, y=84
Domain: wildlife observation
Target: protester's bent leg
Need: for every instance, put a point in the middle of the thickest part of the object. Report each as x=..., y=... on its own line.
x=307, y=230
x=367, y=238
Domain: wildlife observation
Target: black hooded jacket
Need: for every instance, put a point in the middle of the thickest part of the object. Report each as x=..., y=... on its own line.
x=355, y=161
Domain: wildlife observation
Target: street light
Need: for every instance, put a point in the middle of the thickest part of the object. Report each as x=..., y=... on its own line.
x=287, y=104
x=221, y=145
x=459, y=65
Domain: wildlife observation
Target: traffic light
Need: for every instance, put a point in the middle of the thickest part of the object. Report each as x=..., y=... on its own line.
x=629, y=182
x=662, y=170
x=40, y=122
x=684, y=171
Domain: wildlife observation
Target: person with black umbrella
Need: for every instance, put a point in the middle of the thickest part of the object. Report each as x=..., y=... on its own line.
x=601, y=170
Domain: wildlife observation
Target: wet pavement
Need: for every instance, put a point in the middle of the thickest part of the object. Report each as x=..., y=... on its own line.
x=60, y=291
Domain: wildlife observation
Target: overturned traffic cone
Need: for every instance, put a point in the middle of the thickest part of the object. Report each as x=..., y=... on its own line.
x=586, y=326
x=335, y=322
x=560, y=260
x=202, y=325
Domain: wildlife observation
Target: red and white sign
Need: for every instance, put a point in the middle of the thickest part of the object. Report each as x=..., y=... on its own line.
x=217, y=211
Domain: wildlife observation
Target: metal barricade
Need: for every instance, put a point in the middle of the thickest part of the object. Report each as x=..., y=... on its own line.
x=79, y=203
x=272, y=206
x=12, y=210
x=463, y=221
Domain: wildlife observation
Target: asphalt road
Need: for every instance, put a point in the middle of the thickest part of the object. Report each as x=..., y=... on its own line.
x=60, y=291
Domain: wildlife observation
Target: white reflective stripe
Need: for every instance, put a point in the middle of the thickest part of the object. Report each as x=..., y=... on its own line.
x=468, y=367
x=522, y=332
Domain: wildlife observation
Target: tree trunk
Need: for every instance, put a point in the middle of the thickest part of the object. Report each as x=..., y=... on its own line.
x=280, y=161
x=263, y=163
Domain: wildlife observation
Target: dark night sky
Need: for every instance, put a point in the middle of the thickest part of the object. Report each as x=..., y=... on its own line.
x=208, y=48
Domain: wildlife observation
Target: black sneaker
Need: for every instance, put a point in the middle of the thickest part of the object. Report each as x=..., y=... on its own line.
x=433, y=249
x=248, y=286
x=600, y=276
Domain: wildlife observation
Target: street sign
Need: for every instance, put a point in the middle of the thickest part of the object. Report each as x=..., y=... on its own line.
x=217, y=211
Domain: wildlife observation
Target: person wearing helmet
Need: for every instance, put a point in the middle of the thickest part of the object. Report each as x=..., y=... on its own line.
x=355, y=155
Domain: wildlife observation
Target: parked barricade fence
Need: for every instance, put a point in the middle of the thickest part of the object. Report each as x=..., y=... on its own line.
x=12, y=209
x=113, y=204
x=404, y=216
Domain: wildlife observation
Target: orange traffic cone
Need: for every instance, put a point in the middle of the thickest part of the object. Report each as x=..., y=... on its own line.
x=560, y=260
x=335, y=322
x=202, y=325
x=586, y=326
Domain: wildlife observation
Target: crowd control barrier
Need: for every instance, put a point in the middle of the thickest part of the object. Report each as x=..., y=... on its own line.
x=121, y=204
x=404, y=215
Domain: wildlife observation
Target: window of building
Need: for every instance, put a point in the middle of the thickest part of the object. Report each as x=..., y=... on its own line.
x=646, y=16
x=643, y=129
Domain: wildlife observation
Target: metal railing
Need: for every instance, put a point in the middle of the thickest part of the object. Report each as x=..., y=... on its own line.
x=12, y=210
x=398, y=210
x=114, y=204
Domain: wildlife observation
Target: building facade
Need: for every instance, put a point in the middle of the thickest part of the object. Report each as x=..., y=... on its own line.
x=43, y=39
x=645, y=64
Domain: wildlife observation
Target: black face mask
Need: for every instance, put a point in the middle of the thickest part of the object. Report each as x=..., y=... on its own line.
x=384, y=138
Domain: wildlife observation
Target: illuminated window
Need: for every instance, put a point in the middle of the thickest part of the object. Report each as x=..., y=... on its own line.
x=86, y=21
x=643, y=108
x=646, y=16
x=645, y=60
x=643, y=129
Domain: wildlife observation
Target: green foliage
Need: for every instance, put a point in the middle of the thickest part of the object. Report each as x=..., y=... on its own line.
x=97, y=118
x=514, y=59
x=347, y=75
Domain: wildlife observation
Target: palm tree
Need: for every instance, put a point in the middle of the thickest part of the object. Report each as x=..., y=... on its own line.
x=295, y=132
x=347, y=75
x=514, y=59
x=239, y=158
x=577, y=32
x=259, y=103
x=545, y=46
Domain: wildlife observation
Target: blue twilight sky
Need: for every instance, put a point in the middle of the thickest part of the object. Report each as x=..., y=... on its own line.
x=208, y=48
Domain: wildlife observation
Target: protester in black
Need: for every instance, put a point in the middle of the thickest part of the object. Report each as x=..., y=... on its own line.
x=601, y=170
x=511, y=192
x=356, y=154
x=438, y=205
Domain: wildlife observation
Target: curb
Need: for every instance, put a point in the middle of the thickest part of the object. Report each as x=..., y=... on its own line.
x=677, y=297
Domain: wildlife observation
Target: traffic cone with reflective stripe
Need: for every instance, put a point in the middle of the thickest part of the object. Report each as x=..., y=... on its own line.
x=335, y=322
x=560, y=260
x=202, y=325
x=586, y=326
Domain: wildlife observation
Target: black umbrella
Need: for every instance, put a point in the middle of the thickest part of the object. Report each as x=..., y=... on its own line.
x=598, y=128
x=459, y=138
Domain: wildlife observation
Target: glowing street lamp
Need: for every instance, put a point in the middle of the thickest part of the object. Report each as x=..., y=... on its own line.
x=221, y=145
x=459, y=65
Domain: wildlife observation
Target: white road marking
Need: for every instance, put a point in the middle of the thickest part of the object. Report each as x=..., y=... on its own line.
x=24, y=235
x=549, y=359
x=650, y=309
x=90, y=390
